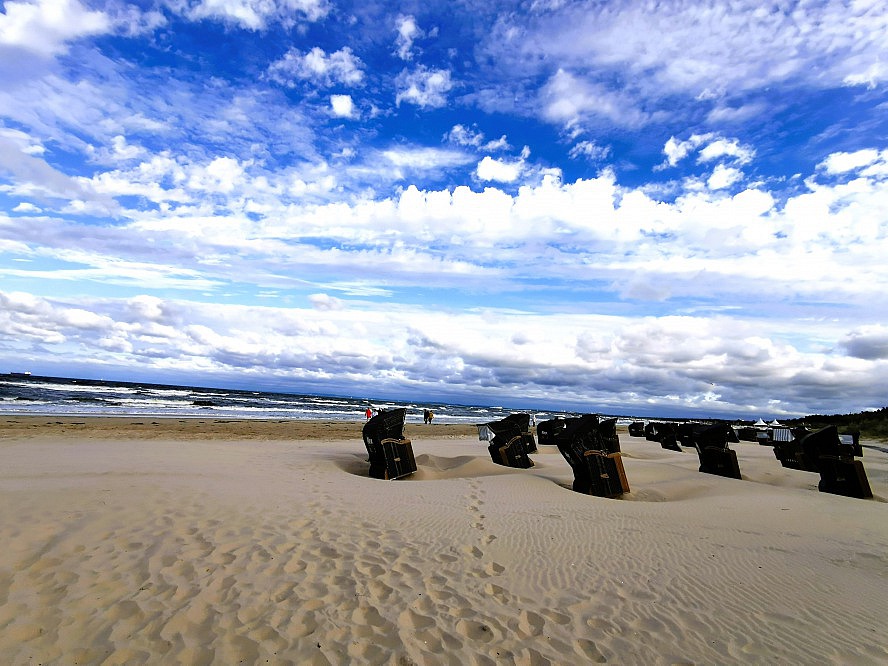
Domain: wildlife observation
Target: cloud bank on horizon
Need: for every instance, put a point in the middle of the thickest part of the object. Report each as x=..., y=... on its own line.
x=624, y=207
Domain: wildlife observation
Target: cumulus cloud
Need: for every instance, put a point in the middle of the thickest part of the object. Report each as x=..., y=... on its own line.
x=867, y=342
x=342, y=106
x=839, y=163
x=687, y=361
x=723, y=177
x=317, y=66
x=465, y=136
x=499, y=170
x=711, y=147
x=46, y=27
x=424, y=87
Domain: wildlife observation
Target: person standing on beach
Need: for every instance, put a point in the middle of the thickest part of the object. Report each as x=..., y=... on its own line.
x=368, y=413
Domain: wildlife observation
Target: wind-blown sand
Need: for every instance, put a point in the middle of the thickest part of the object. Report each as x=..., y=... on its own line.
x=173, y=543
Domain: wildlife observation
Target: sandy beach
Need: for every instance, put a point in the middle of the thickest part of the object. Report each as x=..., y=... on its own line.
x=146, y=541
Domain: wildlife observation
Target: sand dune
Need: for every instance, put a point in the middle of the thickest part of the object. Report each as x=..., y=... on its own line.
x=225, y=551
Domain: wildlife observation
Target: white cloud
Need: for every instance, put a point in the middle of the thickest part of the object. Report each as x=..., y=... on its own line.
x=424, y=87
x=633, y=362
x=408, y=31
x=424, y=158
x=325, y=302
x=684, y=48
x=45, y=27
x=713, y=148
x=341, y=66
x=589, y=150
x=256, y=14
x=726, y=148
x=570, y=99
x=723, y=177
x=465, y=136
x=838, y=163
x=342, y=106
x=499, y=170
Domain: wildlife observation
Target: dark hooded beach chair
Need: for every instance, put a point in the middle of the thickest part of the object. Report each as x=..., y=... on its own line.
x=608, y=430
x=636, y=429
x=507, y=443
x=597, y=471
x=833, y=456
x=716, y=457
x=391, y=455
x=787, y=443
x=664, y=433
x=523, y=423
x=546, y=431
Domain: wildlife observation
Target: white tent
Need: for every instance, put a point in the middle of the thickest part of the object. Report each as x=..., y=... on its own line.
x=760, y=423
x=775, y=423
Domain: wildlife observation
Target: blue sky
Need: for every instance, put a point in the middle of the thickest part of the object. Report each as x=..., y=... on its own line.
x=674, y=208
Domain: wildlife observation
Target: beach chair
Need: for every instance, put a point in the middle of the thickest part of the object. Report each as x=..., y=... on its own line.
x=833, y=456
x=596, y=470
x=664, y=433
x=546, y=430
x=608, y=430
x=507, y=443
x=390, y=454
x=788, y=449
x=636, y=429
x=716, y=457
x=523, y=423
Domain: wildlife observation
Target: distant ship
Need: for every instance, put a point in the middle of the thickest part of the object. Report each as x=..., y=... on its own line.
x=27, y=373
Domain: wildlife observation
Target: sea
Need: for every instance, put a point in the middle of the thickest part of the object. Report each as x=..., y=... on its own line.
x=24, y=394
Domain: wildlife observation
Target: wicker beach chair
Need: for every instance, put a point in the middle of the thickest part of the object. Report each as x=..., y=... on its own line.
x=508, y=443
x=597, y=471
x=833, y=456
x=636, y=429
x=665, y=434
x=716, y=457
x=523, y=422
x=390, y=454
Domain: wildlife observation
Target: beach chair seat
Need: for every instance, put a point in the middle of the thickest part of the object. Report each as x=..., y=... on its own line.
x=636, y=429
x=546, y=430
x=603, y=475
x=508, y=442
x=390, y=453
x=833, y=457
x=841, y=476
x=597, y=471
x=511, y=454
x=716, y=457
x=522, y=420
x=665, y=434
x=609, y=436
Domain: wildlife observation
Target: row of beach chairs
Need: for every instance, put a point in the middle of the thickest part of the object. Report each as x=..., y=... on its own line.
x=591, y=447
x=826, y=451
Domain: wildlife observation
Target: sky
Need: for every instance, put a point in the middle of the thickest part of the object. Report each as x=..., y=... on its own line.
x=646, y=208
